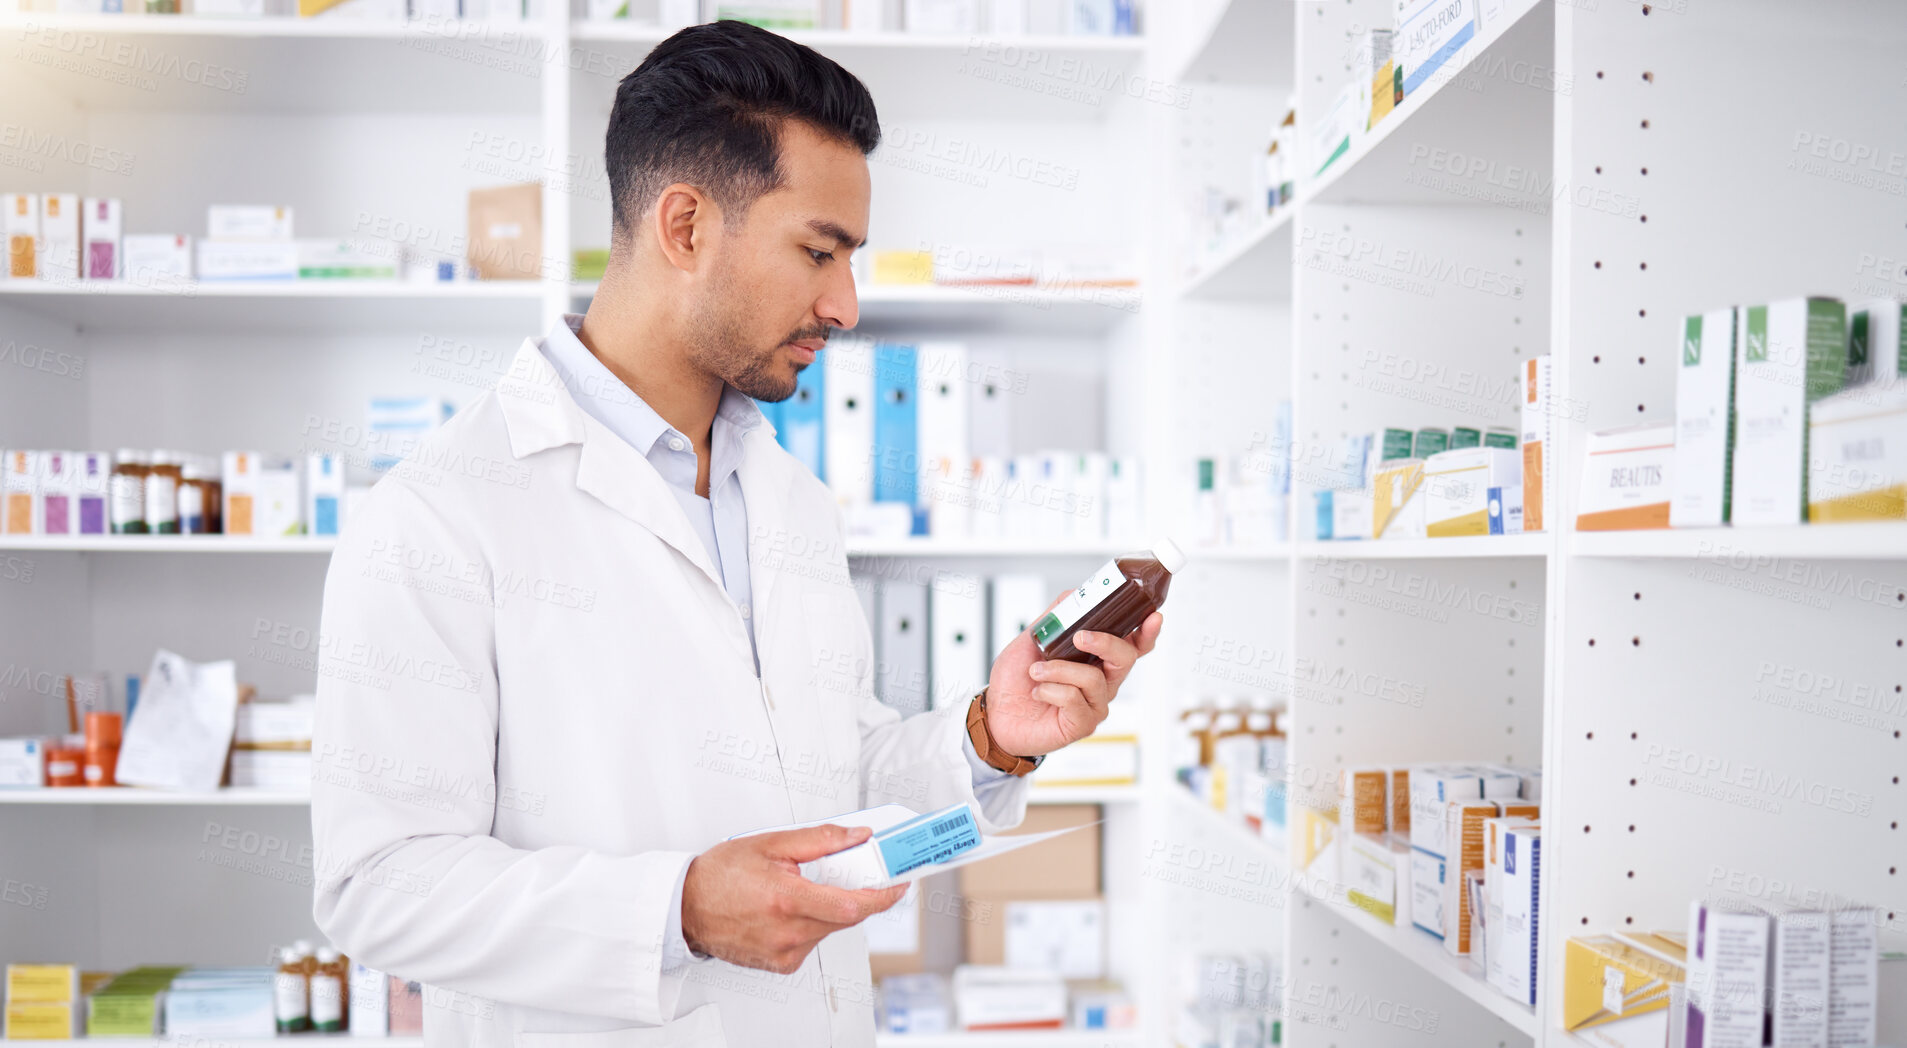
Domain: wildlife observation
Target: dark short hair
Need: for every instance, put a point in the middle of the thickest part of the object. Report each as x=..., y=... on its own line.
x=706, y=107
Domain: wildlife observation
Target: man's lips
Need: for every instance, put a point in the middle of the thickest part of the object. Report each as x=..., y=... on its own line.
x=806, y=348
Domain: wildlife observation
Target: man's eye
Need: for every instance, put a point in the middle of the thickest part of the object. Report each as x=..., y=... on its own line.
x=820, y=256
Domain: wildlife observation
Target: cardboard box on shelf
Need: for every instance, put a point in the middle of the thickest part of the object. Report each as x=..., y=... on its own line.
x=1066, y=867
x=506, y=232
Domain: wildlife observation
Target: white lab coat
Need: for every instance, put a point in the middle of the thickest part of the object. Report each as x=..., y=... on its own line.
x=536, y=704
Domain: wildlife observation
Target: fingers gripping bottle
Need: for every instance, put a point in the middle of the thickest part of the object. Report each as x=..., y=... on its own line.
x=1116, y=599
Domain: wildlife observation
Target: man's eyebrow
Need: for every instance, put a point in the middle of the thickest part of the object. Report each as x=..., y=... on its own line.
x=833, y=230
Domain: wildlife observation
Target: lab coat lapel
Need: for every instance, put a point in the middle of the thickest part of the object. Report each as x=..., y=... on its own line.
x=541, y=414
x=766, y=476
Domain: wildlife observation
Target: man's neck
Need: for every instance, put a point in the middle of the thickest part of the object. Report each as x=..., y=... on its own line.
x=655, y=369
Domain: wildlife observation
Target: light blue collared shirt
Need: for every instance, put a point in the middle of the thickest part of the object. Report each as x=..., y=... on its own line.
x=720, y=520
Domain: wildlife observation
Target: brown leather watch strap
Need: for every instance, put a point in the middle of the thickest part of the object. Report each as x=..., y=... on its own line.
x=984, y=746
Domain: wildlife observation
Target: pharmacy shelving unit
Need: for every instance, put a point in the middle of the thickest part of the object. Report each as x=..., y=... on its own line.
x=379, y=130
x=1718, y=712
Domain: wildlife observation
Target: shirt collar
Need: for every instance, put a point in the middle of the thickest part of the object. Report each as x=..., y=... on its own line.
x=605, y=398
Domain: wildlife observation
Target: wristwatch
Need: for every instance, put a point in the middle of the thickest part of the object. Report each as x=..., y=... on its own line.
x=984, y=746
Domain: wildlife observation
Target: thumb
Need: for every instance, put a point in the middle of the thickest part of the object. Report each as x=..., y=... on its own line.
x=812, y=842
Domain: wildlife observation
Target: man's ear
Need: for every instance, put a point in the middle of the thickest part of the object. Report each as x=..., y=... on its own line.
x=684, y=222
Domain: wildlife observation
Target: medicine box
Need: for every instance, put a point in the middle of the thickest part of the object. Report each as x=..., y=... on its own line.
x=1457, y=486
x=1493, y=839
x=156, y=258
x=1853, y=975
x=1429, y=441
x=1374, y=866
x=1343, y=124
x=1351, y=515
x=247, y=222
x=22, y=763
x=347, y=258
x=1535, y=440
x=1608, y=983
x=1363, y=801
x=1506, y=509
x=1463, y=841
x=324, y=493
x=100, y=230
x=1429, y=35
x=1431, y=787
x=238, y=485
x=1627, y=478
x=278, y=509
x=1500, y=437
x=1874, y=345
x=1517, y=936
x=21, y=224
x=1063, y=936
x=1465, y=437
x=999, y=998
x=59, y=237
x=916, y=1003
x=1798, y=971
x=1857, y=454
x=1704, y=420
x=1727, y=977
x=247, y=259
x=1392, y=489
x=20, y=492
x=1788, y=355
x=57, y=508
x=1400, y=803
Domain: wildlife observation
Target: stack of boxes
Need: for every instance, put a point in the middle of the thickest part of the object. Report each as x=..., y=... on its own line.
x=1433, y=482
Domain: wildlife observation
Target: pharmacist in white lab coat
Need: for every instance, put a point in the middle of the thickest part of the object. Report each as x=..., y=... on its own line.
x=600, y=622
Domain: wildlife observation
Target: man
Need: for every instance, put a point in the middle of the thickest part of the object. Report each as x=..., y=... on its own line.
x=602, y=624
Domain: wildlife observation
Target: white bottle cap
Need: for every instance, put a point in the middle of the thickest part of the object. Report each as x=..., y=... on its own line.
x=1169, y=556
x=303, y=947
x=327, y=954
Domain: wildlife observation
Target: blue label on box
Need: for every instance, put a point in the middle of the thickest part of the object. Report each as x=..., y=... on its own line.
x=934, y=837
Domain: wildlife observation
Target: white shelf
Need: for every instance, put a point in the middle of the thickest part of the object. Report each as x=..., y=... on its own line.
x=1047, y=310
x=1012, y=1039
x=1532, y=544
x=237, y=1042
x=1375, y=167
x=167, y=544
x=191, y=63
x=1231, y=829
x=1427, y=952
x=301, y=305
x=1750, y=547
x=1268, y=553
x=1256, y=266
x=1242, y=42
x=126, y=795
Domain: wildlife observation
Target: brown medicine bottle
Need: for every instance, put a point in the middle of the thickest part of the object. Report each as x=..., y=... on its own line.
x=1116, y=599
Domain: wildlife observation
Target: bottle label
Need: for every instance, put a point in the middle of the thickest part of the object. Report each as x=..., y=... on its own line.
x=288, y=995
x=128, y=500
x=1075, y=605
x=192, y=509
x=162, y=501
x=327, y=998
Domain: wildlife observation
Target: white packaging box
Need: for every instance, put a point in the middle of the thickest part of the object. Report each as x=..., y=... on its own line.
x=229, y=8
x=1007, y=17
x=370, y=1013
x=1788, y=355
x=1727, y=977
x=916, y=1003
x=100, y=225
x=1535, y=443
x=1463, y=837
x=1704, y=420
x=941, y=16
x=21, y=224
x=1339, y=129
x=1798, y=970
x=675, y=14
x=1088, y=485
x=1429, y=35
x=348, y=258
x=1857, y=454
x=1123, y=506
x=1628, y=478
x=158, y=258
x=1096, y=760
x=1427, y=874
x=247, y=260
x=59, y=237
x=20, y=490
x=1517, y=935
x=1874, y=345
x=1351, y=514
x=279, y=511
x=989, y=997
x=1457, y=484
x=238, y=489
x=275, y=723
x=1431, y=787
x=1853, y=976
x=440, y=11
x=92, y=476
x=22, y=763
x=1063, y=936
x=1374, y=867
x=1493, y=840
x=324, y=494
